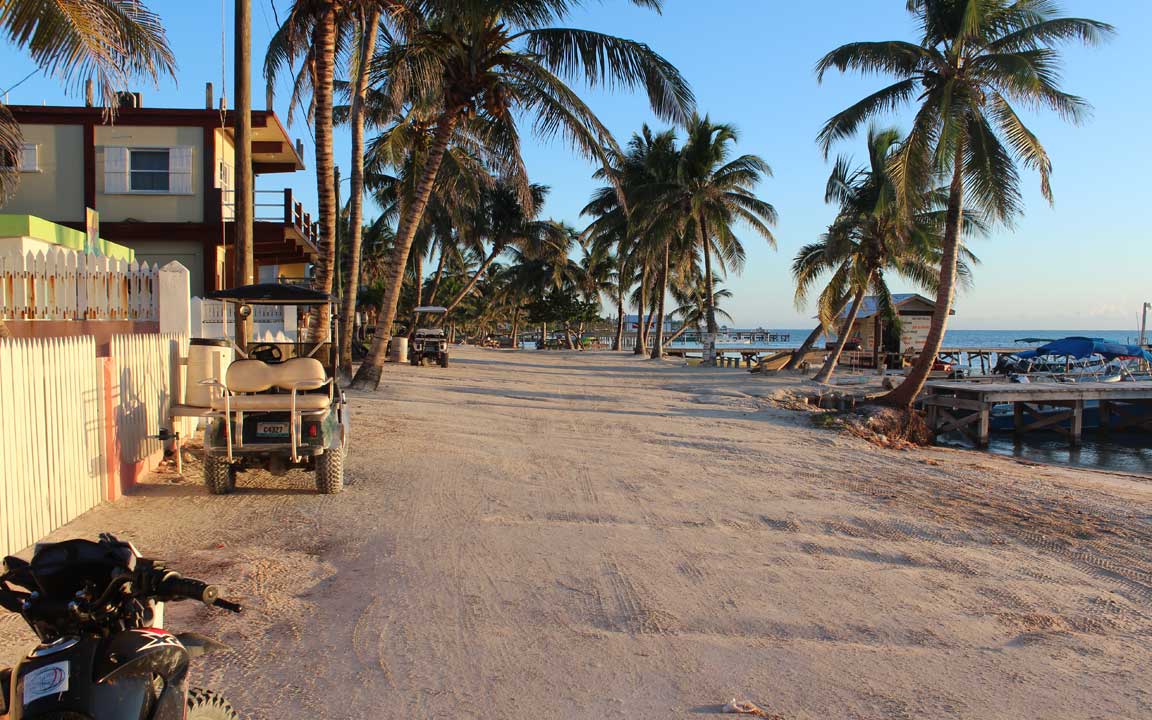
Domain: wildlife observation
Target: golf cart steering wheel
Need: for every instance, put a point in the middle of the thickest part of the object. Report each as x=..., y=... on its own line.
x=266, y=352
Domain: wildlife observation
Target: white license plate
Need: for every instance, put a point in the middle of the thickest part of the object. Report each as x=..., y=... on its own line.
x=271, y=429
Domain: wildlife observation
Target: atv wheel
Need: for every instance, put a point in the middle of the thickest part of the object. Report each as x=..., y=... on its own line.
x=444, y=360
x=208, y=705
x=219, y=475
x=330, y=471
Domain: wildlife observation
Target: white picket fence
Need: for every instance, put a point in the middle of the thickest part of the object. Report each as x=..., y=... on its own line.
x=147, y=375
x=61, y=284
x=53, y=465
x=271, y=323
x=58, y=441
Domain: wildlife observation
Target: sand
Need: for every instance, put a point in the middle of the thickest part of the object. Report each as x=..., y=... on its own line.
x=589, y=535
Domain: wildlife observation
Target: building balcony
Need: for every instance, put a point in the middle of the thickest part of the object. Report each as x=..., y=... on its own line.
x=284, y=233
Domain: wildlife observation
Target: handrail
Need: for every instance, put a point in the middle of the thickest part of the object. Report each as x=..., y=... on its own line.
x=279, y=206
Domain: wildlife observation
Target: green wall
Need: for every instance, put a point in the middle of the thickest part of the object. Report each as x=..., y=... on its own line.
x=41, y=229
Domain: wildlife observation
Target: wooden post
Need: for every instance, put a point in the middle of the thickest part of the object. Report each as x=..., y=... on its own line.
x=242, y=130
x=1018, y=417
x=1077, y=423
x=984, y=425
x=1105, y=415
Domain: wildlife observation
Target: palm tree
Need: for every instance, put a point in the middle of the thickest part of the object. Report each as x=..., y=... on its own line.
x=504, y=220
x=109, y=42
x=873, y=235
x=368, y=29
x=713, y=191
x=494, y=60
x=691, y=308
x=311, y=35
x=975, y=58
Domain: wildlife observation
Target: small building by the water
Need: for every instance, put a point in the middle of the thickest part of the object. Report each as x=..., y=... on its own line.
x=872, y=333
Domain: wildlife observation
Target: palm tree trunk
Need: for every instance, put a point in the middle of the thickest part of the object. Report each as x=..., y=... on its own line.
x=641, y=325
x=543, y=335
x=324, y=42
x=418, y=271
x=830, y=362
x=905, y=393
x=356, y=188
x=618, y=341
x=658, y=343
x=708, y=357
x=368, y=376
x=491, y=258
x=439, y=275
x=798, y=356
x=516, y=329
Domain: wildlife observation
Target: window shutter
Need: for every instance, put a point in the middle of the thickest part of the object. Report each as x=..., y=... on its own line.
x=115, y=169
x=30, y=160
x=180, y=170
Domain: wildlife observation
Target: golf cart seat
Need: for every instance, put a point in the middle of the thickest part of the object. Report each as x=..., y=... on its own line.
x=256, y=376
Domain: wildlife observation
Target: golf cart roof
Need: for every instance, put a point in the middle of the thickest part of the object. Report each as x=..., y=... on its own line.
x=271, y=294
x=429, y=331
x=431, y=309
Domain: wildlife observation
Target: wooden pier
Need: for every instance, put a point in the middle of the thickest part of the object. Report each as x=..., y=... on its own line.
x=967, y=407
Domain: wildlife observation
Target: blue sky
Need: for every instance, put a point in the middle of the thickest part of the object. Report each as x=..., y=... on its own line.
x=1083, y=264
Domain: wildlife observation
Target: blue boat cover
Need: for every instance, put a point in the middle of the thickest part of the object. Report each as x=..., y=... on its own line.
x=1082, y=347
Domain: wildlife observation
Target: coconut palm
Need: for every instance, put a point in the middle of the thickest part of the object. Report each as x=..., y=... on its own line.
x=109, y=42
x=502, y=220
x=974, y=60
x=311, y=35
x=711, y=193
x=873, y=236
x=691, y=308
x=499, y=59
x=367, y=30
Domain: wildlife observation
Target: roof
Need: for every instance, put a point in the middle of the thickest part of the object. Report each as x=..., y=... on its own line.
x=868, y=306
x=272, y=294
x=272, y=147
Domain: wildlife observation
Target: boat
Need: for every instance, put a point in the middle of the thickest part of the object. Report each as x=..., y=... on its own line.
x=1071, y=360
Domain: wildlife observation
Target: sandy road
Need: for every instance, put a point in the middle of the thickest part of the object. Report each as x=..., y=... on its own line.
x=542, y=535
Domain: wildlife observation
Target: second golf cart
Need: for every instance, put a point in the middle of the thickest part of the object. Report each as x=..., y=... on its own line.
x=278, y=407
x=429, y=343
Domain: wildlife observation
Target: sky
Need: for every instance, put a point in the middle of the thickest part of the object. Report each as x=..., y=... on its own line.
x=1084, y=263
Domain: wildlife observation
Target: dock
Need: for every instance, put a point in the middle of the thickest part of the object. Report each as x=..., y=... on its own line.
x=967, y=407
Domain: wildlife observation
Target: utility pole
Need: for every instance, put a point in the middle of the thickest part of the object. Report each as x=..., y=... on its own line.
x=242, y=137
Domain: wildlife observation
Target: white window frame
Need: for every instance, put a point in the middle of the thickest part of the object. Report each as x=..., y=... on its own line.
x=179, y=181
x=23, y=166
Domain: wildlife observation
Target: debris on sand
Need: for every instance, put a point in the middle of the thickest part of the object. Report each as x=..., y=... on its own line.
x=886, y=427
x=743, y=707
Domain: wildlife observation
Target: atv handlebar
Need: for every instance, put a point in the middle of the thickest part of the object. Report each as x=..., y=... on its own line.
x=177, y=587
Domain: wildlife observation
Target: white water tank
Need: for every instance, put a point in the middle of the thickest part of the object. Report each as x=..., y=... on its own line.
x=207, y=358
x=398, y=350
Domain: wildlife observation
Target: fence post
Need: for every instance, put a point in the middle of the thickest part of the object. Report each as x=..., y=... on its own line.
x=174, y=299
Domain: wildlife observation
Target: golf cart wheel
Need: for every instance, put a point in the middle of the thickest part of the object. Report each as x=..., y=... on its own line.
x=415, y=362
x=208, y=705
x=444, y=360
x=330, y=471
x=219, y=475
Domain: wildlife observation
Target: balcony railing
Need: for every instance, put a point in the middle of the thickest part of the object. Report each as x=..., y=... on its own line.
x=274, y=206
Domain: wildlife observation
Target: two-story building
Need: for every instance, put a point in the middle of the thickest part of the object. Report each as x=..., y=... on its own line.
x=161, y=180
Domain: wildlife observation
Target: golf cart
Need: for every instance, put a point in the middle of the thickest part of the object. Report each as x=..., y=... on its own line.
x=277, y=407
x=429, y=343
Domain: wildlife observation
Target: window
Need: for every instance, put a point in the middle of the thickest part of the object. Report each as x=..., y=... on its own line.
x=148, y=171
x=28, y=161
x=161, y=171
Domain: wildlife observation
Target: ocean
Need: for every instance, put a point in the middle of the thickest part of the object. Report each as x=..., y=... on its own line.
x=993, y=338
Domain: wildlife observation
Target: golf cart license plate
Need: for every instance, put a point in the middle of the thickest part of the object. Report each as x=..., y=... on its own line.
x=271, y=429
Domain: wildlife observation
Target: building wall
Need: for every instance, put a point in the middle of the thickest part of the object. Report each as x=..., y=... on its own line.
x=151, y=207
x=226, y=157
x=190, y=254
x=56, y=191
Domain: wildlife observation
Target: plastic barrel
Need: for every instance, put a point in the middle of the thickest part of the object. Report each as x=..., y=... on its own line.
x=398, y=351
x=207, y=358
